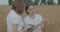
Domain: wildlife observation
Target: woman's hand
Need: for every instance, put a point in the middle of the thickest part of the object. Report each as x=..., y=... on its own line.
x=30, y=29
x=45, y=21
x=26, y=28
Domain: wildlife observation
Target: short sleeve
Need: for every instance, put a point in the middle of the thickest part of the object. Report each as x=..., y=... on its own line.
x=13, y=18
x=25, y=21
x=39, y=18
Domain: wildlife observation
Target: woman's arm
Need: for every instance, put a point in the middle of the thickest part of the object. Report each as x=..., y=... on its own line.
x=36, y=26
x=32, y=28
x=14, y=27
x=25, y=28
x=43, y=23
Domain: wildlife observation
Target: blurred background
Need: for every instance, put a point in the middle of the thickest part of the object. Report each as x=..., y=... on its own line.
x=49, y=9
x=35, y=2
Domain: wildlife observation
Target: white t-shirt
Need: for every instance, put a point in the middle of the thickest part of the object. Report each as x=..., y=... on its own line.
x=38, y=19
x=14, y=18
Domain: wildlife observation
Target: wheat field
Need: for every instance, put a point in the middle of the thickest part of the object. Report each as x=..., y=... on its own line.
x=52, y=13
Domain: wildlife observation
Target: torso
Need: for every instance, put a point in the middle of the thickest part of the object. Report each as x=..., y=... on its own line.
x=37, y=20
x=11, y=17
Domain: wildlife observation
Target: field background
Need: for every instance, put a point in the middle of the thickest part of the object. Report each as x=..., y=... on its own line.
x=52, y=13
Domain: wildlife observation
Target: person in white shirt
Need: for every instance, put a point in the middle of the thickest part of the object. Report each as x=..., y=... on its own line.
x=14, y=19
x=33, y=22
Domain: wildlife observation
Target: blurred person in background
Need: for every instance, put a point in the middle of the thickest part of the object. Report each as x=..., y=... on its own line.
x=14, y=19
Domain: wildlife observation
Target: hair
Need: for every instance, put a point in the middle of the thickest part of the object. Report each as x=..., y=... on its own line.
x=18, y=5
x=26, y=7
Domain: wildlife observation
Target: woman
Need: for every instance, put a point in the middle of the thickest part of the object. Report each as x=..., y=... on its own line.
x=14, y=20
x=33, y=22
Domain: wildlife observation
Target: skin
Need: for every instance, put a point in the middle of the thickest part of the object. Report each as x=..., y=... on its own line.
x=14, y=27
x=31, y=11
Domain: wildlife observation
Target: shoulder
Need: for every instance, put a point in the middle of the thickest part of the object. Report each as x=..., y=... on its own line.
x=38, y=15
x=26, y=17
x=12, y=14
x=13, y=17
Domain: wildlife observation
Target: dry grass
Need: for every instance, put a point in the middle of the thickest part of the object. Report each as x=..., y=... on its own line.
x=52, y=13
